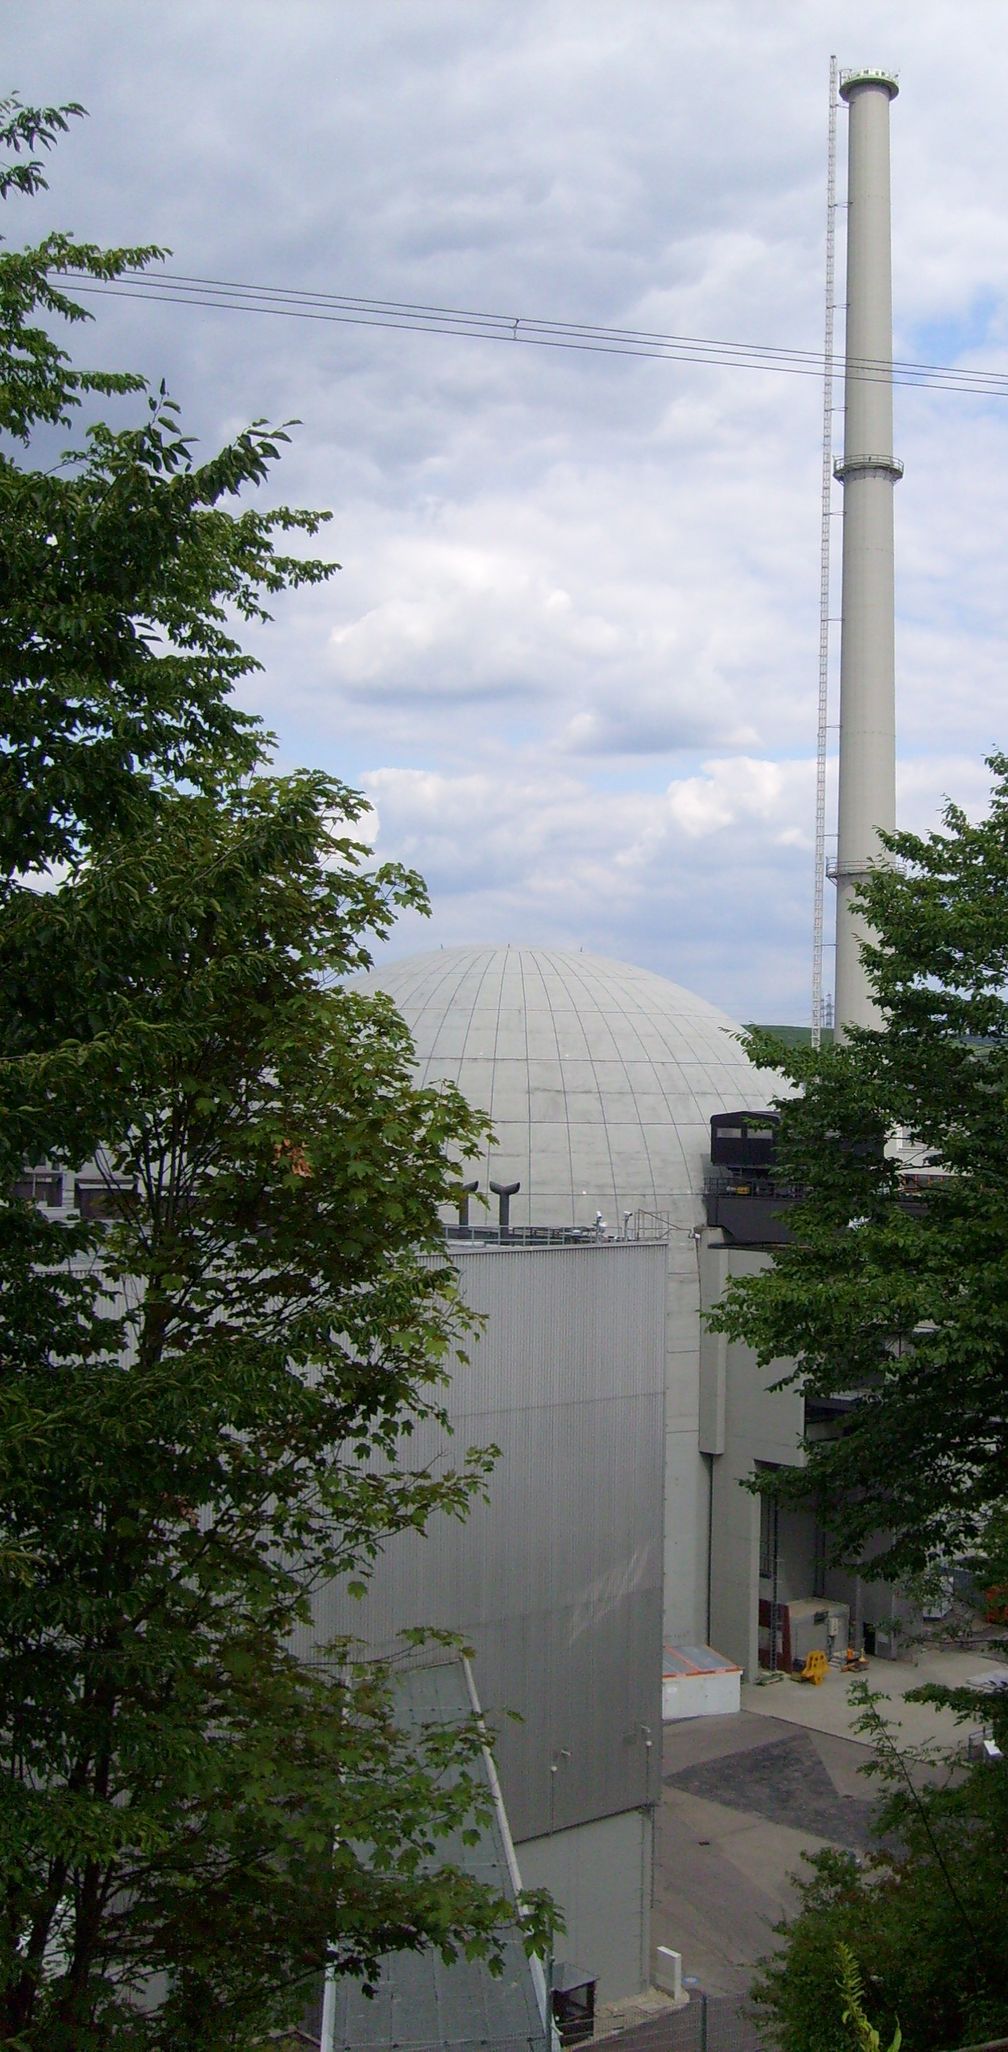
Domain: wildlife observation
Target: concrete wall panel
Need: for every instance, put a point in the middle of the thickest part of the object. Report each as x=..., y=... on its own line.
x=600, y=1873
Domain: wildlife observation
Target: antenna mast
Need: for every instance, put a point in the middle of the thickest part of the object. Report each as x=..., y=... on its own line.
x=824, y=570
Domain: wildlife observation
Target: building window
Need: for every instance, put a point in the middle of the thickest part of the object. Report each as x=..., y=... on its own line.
x=39, y=1186
x=769, y=1528
x=101, y=1201
x=819, y=1561
x=766, y=1522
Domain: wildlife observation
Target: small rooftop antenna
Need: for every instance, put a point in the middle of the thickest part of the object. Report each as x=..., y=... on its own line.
x=824, y=570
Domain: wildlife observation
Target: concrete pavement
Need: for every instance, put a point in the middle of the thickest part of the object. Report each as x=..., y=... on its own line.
x=745, y=1796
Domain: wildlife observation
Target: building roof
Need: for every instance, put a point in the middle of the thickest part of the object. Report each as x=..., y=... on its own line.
x=421, y=2002
x=599, y=1078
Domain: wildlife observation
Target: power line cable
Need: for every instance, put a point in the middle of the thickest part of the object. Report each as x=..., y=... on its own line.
x=416, y=317
x=507, y=323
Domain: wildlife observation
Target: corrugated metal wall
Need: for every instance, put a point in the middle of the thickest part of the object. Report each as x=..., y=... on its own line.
x=557, y=1581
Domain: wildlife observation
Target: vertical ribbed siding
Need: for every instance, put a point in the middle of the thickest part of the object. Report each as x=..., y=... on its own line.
x=556, y=1582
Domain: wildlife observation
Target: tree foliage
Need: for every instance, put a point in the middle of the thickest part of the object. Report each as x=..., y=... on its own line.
x=206, y=1391
x=851, y=1985
x=894, y=1287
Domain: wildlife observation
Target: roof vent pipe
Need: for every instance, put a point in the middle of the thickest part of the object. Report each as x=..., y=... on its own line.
x=505, y=1192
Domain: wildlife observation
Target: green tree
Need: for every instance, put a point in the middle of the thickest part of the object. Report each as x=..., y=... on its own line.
x=895, y=1289
x=206, y=1392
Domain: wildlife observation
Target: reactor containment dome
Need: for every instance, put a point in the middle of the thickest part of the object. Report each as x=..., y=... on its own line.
x=599, y=1079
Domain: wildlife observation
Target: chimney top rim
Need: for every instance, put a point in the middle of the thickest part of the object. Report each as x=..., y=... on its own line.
x=868, y=76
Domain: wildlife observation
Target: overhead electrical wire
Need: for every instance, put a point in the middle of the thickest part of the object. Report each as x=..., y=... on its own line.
x=345, y=309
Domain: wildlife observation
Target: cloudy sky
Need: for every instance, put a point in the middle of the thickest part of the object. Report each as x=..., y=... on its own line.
x=572, y=652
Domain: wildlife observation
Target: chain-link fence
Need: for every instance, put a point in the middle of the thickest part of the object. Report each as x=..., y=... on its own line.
x=709, y=2023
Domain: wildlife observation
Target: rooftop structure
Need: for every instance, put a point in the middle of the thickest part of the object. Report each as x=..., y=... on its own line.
x=422, y=2002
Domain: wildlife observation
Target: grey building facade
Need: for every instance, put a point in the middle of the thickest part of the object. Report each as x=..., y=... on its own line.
x=556, y=1580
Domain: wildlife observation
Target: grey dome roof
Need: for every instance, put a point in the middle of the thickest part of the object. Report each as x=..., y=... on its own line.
x=599, y=1079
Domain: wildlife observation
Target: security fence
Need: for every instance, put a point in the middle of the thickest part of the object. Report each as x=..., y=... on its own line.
x=709, y=2023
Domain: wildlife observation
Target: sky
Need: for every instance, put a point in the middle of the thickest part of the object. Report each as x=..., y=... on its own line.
x=571, y=654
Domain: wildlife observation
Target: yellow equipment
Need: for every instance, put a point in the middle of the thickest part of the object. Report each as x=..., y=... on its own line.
x=816, y=1665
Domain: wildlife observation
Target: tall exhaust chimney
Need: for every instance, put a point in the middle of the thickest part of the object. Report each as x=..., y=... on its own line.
x=868, y=473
